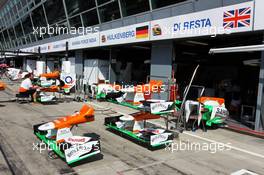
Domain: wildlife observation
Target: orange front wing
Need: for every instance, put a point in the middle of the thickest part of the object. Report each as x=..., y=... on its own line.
x=52, y=75
x=86, y=114
x=204, y=99
x=2, y=86
x=51, y=89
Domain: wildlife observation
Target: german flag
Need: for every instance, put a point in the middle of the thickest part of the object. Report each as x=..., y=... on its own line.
x=142, y=32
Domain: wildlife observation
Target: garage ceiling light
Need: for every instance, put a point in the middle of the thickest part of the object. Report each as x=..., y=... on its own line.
x=147, y=62
x=255, y=62
x=5, y=56
x=238, y=49
x=197, y=43
x=141, y=47
x=189, y=53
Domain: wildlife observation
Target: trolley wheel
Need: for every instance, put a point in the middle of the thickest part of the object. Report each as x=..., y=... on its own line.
x=52, y=155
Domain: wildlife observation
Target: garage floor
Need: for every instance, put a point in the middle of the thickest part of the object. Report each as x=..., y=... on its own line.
x=119, y=156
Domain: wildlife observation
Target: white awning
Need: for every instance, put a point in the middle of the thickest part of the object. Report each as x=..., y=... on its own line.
x=252, y=48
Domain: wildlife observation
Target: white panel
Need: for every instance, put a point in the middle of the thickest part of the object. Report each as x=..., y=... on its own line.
x=85, y=41
x=259, y=14
x=30, y=65
x=103, y=68
x=50, y=66
x=41, y=67
x=55, y=46
x=91, y=71
x=128, y=34
x=95, y=69
x=209, y=22
x=66, y=67
x=72, y=67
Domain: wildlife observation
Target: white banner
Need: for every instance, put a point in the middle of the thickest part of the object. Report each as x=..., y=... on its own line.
x=259, y=14
x=223, y=20
x=128, y=34
x=236, y=18
x=85, y=41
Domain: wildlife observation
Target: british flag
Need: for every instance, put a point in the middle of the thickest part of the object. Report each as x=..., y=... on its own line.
x=237, y=18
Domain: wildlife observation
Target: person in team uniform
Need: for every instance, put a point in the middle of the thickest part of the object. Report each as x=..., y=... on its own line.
x=26, y=87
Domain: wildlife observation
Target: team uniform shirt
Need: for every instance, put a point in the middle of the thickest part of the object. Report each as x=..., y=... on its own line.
x=25, y=85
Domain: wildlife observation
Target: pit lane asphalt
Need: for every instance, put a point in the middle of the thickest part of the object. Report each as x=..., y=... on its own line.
x=120, y=156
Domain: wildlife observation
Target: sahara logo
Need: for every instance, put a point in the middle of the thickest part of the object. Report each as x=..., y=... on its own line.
x=142, y=32
x=77, y=140
x=156, y=30
x=103, y=39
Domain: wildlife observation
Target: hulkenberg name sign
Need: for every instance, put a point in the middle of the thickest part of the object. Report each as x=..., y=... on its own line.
x=128, y=34
x=223, y=20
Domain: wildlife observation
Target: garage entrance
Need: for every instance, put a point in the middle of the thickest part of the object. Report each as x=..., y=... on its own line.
x=130, y=63
x=232, y=76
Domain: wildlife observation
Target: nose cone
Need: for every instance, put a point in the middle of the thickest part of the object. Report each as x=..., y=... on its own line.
x=46, y=126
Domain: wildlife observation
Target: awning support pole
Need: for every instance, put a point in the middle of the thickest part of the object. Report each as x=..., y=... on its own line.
x=260, y=99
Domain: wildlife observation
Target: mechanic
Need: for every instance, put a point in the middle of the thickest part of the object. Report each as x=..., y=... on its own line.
x=26, y=87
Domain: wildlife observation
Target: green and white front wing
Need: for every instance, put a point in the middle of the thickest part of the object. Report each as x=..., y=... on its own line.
x=69, y=152
x=145, y=138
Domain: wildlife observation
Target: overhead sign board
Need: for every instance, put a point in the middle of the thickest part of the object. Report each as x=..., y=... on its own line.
x=259, y=14
x=128, y=34
x=84, y=41
x=223, y=20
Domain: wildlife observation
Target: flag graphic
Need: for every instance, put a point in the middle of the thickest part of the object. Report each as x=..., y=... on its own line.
x=237, y=18
x=142, y=32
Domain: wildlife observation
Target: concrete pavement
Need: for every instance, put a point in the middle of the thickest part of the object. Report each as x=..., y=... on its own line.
x=119, y=155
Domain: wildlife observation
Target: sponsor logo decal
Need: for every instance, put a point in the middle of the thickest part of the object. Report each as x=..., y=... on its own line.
x=60, y=45
x=63, y=134
x=77, y=139
x=156, y=30
x=79, y=149
x=68, y=80
x=220, y=111
x=159, y=106
x=156, y=139
x=103, y=39
x=84, y=41
x=76, y=151
x=142, y=32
